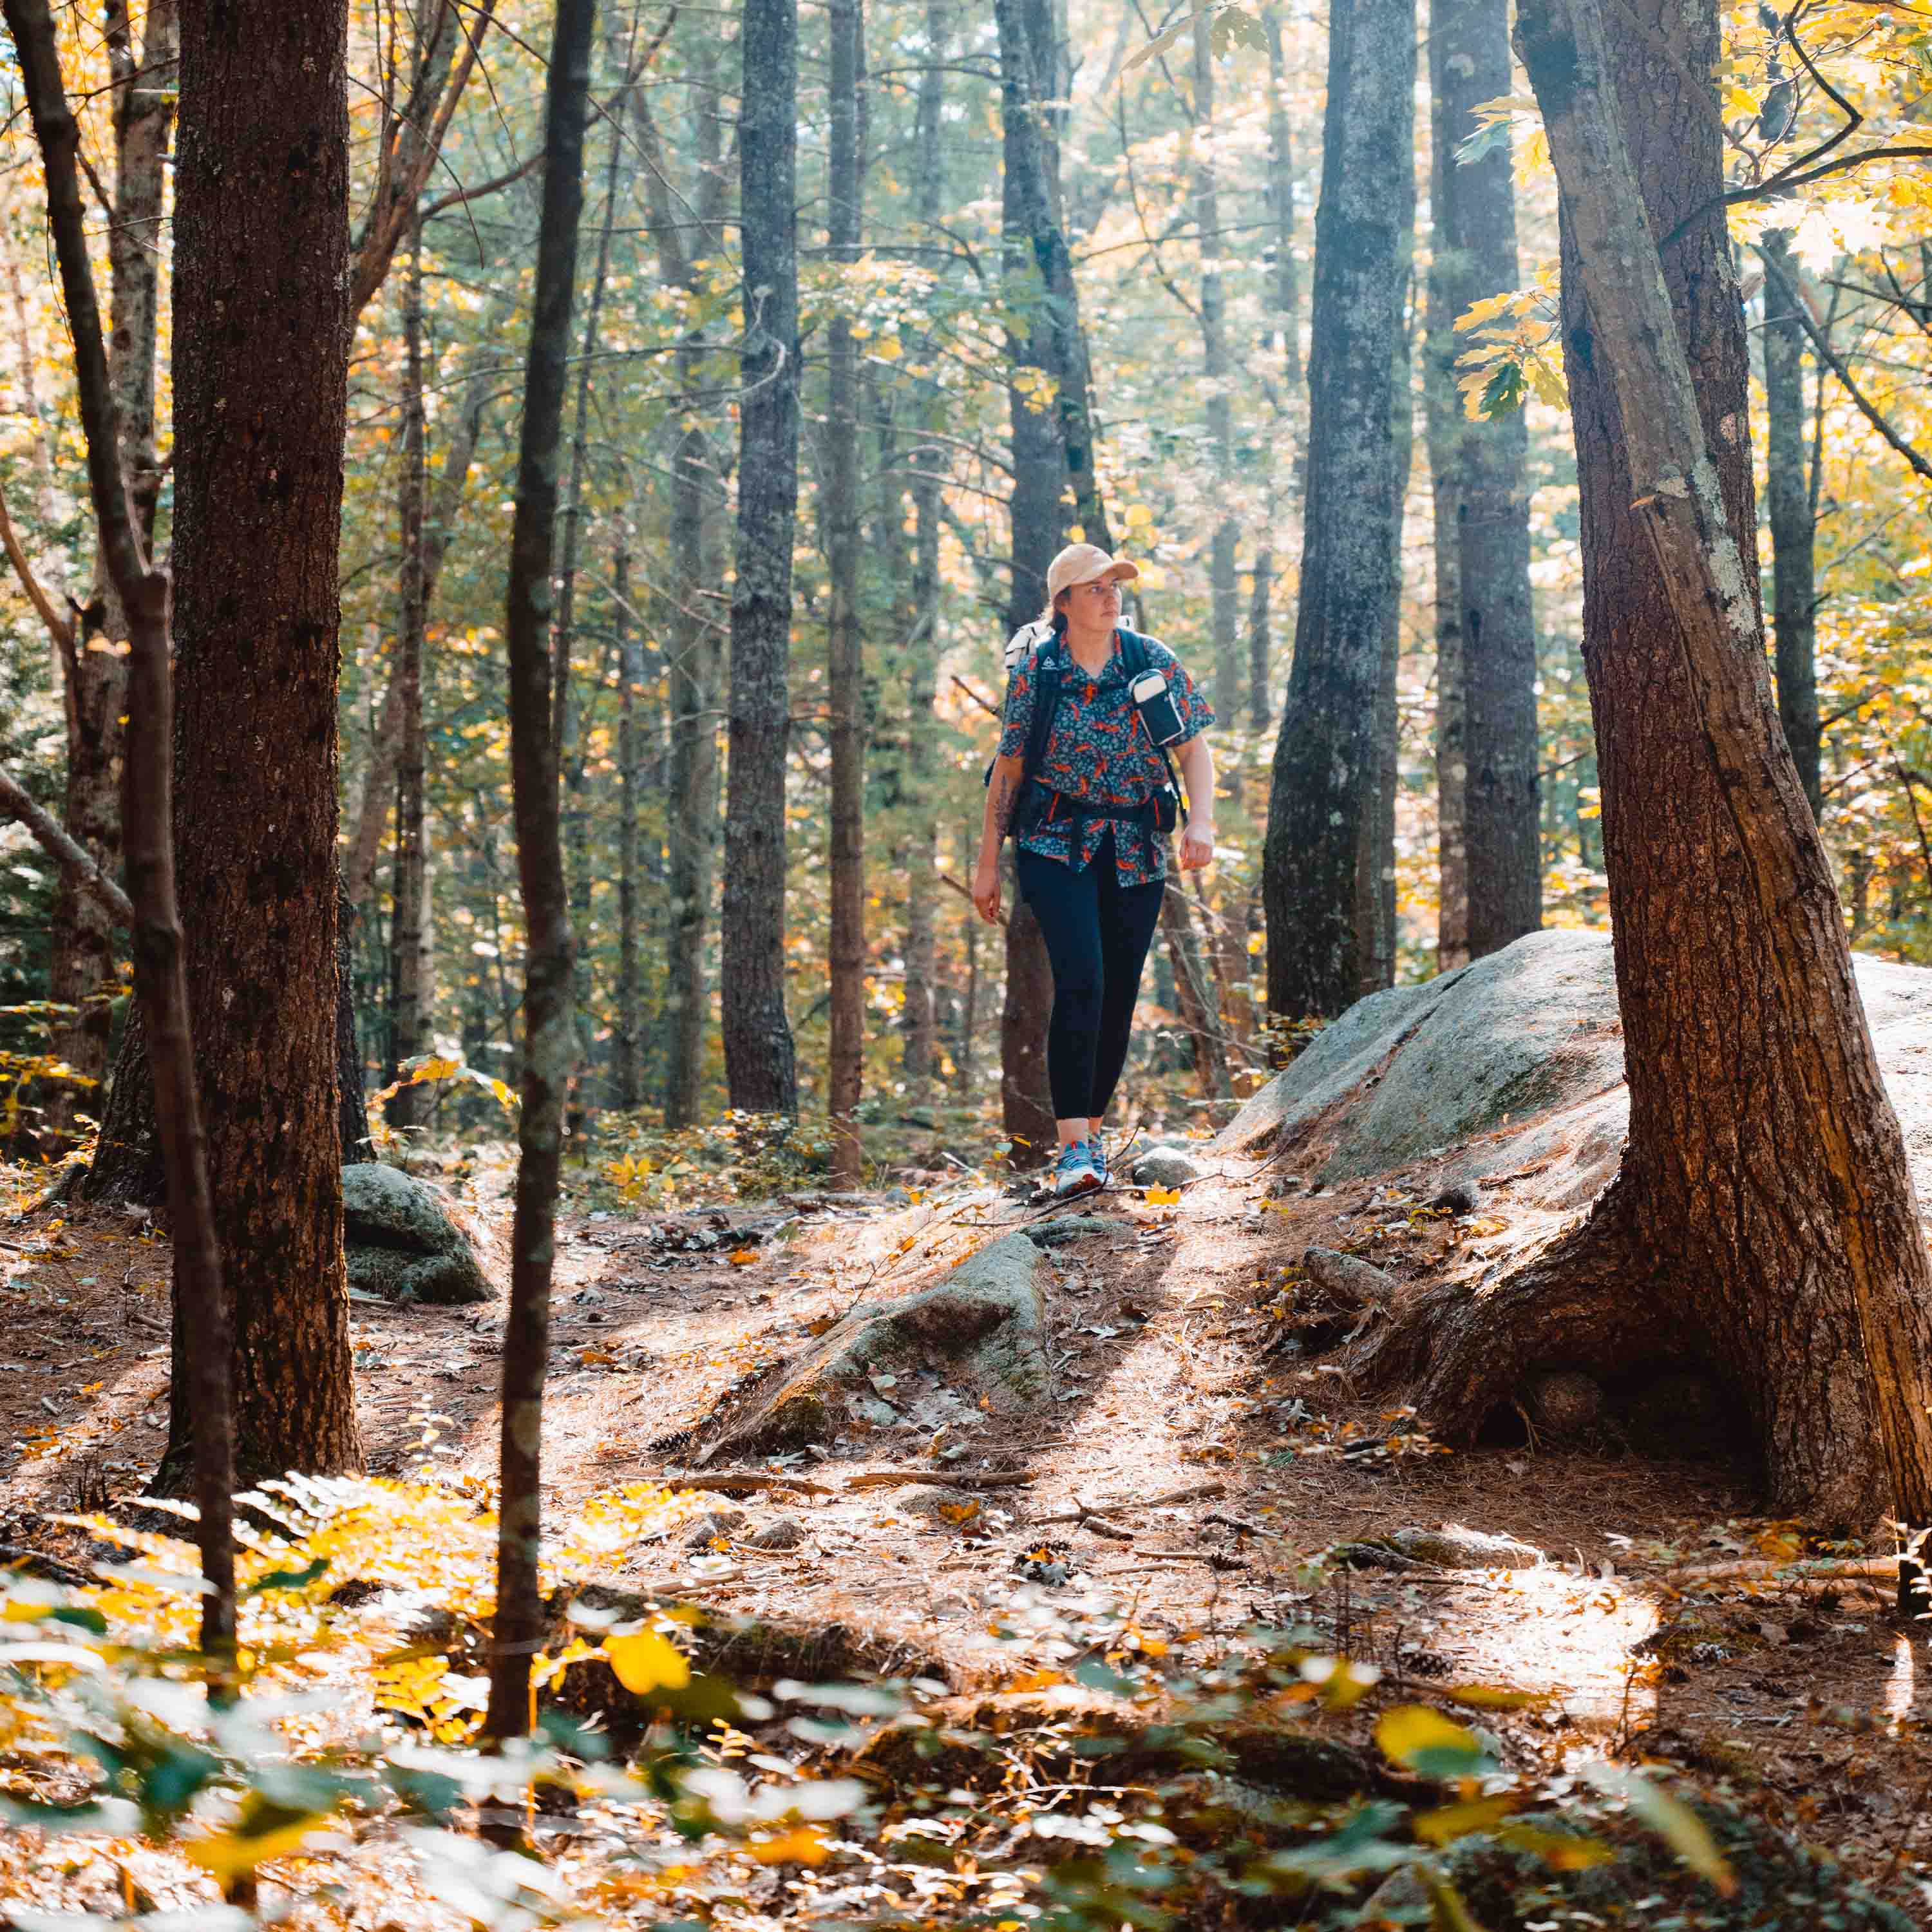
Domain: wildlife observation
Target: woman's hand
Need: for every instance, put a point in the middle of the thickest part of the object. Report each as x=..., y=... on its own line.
x=986, y=888
x=1197, y=844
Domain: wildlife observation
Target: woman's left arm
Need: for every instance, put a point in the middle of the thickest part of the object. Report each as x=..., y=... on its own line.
x=1197, y=772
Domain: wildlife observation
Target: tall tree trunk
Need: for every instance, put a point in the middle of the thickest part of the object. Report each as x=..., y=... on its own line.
x=697, y=507
x=1284, y=325
x=1492, y=858
x=1326, y=774
x=570, y=717
x=202, y=1331
x=1222, y=586
x=410, y=1024
x=261, y=333
x=1794, y=581
x=921, y=1049
x=81, y=942
x=1764, y=1219
x=1052, y=452
x=628, y=1069
x=550, y=1041
x=845, y=675
x=761, y=1063
x=1375, y=874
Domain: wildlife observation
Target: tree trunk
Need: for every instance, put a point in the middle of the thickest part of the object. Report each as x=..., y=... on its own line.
x=920, y=1053
x=550, y=1053
x=1793, y=570
x=202, y=1311
x=1200, y=1014
x=1483, y=464
x=1225, y=591
x=1764, y=1218
x=1327, y=773
x=260, y=342
x=82, y=945
x=1052, y=450
x=352, y=1107
x=845, y=675
x=761, y=1064
x=697, y=504
x=628, y=1070
x=409, y=1029
x=571, y=717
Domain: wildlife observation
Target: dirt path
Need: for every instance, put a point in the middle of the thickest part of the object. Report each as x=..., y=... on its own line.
x=1164, y=1380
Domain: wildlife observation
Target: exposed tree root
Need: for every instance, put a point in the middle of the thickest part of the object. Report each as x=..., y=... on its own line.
x=1463, y=1350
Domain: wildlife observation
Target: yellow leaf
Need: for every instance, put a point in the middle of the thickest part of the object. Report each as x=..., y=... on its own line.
x=1424, y=1740
x=744, y=1257
x=596, y=1358
x=645, y=1661
x=1160, y=1197
x=1494, y=1697
x=1457, y=1821
x=889, y=349
x=235, y=1853
x=803, y=1845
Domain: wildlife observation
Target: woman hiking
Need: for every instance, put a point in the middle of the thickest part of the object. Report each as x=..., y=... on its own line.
x=1084, y=781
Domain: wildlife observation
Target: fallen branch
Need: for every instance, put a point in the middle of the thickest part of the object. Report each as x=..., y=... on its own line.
x=729, y=1481
x=1752, y=1568
x=1193, y=1491
x=881, y=1479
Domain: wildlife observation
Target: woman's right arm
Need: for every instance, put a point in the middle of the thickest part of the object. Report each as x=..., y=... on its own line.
x=1003, y=790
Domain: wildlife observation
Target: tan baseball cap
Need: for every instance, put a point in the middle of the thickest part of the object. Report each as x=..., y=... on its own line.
x=1086, y=563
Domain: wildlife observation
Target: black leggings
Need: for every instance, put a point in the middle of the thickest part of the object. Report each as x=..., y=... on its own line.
x=1097, y=932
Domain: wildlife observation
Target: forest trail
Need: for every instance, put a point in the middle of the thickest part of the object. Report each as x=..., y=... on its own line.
x=1168, y=1376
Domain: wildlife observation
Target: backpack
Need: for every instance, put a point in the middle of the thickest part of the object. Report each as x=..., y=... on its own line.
x=1161, y=813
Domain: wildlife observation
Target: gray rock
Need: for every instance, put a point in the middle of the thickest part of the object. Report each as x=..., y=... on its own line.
x=1564, y=1404
x=401, y=1243
x=783, y=1534
x=1453, y=1547
x=984, y=1321
x=1069, y=1228
x=703, y=1530
x=1166, y=1167
x=1354, y=1279
x=1401, y=1899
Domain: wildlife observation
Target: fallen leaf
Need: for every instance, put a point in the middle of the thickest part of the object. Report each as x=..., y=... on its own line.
x=743, y=1257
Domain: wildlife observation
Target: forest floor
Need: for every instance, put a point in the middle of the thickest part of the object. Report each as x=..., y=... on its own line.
x=1168, y=1376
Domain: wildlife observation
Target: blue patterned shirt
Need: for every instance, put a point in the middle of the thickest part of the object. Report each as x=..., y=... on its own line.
x=1100, y=750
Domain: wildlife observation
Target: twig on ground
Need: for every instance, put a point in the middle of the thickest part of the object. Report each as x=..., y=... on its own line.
x=730, y=1480
x=1191, y=1493
x=880, y=1479
x=1748, y=1567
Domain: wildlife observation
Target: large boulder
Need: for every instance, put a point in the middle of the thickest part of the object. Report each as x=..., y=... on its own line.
x=1515, y=1064
x=401, y=1242
x=981, y=1325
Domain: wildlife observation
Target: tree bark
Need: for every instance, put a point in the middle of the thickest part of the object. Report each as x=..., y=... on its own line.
x=761, y=1063
x=261, y=331
x=409, y=1025
x=549, y=1036
x=920, y=1052
x=627, y=1069
x=845, y=675
x=1490, y=747
x=697, y=506
x=81, y=942
x=1224, y=590
x=1052, y=456
x=1764, y=1219
x=1794, y=577
x=202, y=1350
x=1322, y=811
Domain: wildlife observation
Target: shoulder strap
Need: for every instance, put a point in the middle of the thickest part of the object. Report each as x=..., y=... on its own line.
x=1046, y=704
x=1134, y=660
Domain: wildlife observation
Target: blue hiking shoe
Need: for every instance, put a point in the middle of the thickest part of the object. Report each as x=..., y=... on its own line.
x=1074, y=1173
x=1098, y=1153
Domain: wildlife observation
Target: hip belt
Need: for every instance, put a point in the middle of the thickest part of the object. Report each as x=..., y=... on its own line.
x=1043, y=805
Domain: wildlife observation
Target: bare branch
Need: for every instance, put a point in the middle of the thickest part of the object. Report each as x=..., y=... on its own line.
x=72, y=859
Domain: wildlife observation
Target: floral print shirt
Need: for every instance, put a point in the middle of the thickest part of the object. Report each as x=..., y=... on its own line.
x=1099, y=750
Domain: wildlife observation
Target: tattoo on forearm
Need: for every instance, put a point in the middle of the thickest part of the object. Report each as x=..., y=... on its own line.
x=1003, y=804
